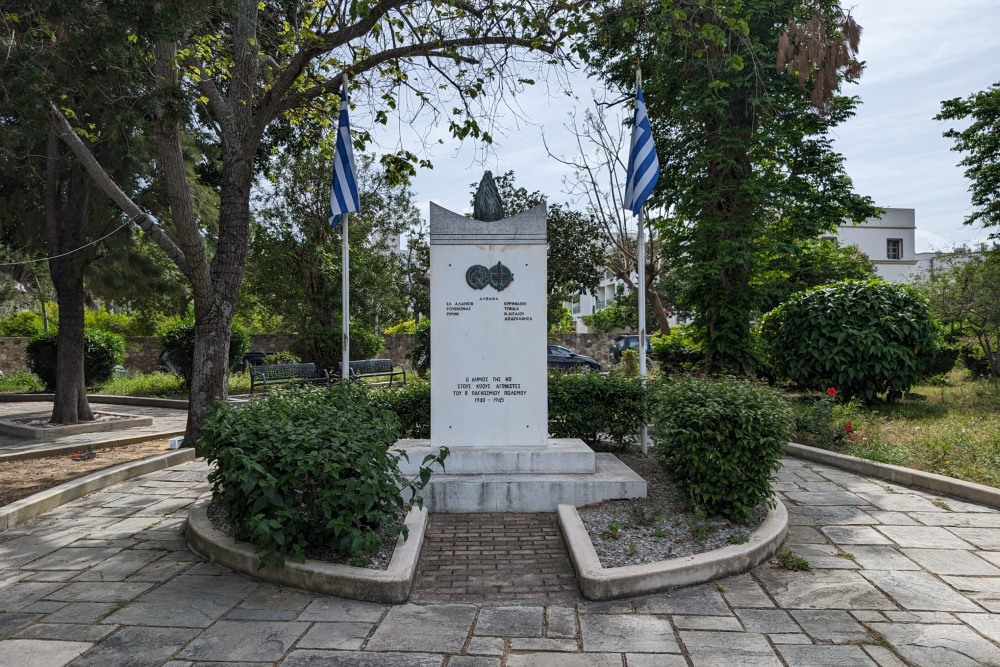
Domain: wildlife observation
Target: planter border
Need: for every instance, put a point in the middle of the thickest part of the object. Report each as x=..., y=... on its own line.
x=600, y=583
x=20, y=511
x=949, y=486
x=391, y=585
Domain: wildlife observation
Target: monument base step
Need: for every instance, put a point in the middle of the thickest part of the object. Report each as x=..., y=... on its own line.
x=562, y=455
x=526, y=492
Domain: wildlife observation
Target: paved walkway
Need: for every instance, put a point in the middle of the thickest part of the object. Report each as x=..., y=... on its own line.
x=899, y=578
x=164, y=420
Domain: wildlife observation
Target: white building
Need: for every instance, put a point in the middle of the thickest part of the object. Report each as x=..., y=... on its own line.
x=888, y=241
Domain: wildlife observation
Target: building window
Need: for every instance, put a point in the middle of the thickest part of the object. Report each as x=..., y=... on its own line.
x=831, y=239
x=894, y=248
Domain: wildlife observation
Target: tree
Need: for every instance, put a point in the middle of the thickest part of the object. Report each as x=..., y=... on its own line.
x=243, y=72
x=741, y=97
x=962, y=289
x=295, y=264
x=810, y=263
x=600, y=180
x=574, y=256
x=981, y=142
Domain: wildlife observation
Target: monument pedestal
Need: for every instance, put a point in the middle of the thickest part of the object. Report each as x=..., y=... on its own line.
x=521, y=479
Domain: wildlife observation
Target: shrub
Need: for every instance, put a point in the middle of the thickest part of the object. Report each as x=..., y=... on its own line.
x=20, y=382
x=595, y=407
x=975, y=361
x=25, y=324
x=862, y=337
x=420, y=355
x=680, y=351
x=282, y=358
x=939, y=360
x=721, y=439
x=308, y=468
x=827, y=423
x=178, y=341
x=411, y=403
x=404, y=327
x=102, y=351
x=323, y=346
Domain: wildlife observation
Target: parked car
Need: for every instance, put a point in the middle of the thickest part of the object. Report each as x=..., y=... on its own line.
x=629, y=342
x=564, y=359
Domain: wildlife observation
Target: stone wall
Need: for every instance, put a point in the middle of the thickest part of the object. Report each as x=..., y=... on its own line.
x=596, y=345
x=141, y=352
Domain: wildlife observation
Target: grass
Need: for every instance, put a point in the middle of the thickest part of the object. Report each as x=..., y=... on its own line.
x=20, y=382
x=951, y=429
x=159, y=385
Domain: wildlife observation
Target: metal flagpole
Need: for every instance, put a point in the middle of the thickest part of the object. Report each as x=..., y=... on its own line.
x=345, y=283
x=641, y=293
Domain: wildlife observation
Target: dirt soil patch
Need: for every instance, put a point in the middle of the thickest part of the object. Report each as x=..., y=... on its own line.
x=22, y=478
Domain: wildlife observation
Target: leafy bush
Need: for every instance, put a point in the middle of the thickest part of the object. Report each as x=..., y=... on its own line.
x=20, y=382
x=102, y=351
x=323, y=346
x=864, y=338
x=178, y=341
x=827, y=423
x=309, y=468
x=411, y=403
x=595, y=407
x=975, y=361
x=680, y=351
x=939, y=360
x=420, y=355
x=721, y=439
x=145, y=384
x=404, y=327
x=281, y=358
x=25, y=324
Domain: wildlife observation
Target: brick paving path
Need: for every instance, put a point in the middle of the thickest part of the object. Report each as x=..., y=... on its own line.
x=495, y=557
x=899, y=577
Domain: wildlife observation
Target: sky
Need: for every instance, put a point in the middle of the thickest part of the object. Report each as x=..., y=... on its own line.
x=918, y=53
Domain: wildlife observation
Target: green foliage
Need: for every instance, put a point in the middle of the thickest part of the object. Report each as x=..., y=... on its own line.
x=165, y=385
x=864, y=338
x=102, y=351
x=629, y=366
x=120, y=323
x=308, y=468
x=25, y=324
x=404, y=327
x=616, y=317
x=789, y=560
x=722, y=440
x=20, y=382
x=282, y=358
x=411, y=403
x=747, y=163
x=178, y=341
x=979, y=142
x=938, y=360
x=827, y=423
x=678, y=352
x=324, y=346
x=420, y=355
x=595, y=407
x=975, y=361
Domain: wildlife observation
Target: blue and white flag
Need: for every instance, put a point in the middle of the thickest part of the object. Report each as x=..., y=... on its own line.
x=344, y=191
x=643, y=165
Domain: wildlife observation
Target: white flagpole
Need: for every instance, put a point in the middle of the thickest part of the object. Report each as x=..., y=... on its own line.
x=345, y=283
x=641, y=293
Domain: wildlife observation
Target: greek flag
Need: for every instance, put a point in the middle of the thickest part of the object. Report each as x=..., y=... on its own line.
x=344, y=191
x=643, y=166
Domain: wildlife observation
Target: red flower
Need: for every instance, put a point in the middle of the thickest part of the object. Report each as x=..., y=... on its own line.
x=832, y=392
x=849, y=426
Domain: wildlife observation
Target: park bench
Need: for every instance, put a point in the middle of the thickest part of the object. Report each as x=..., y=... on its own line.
x=375, y=368
x=278, y=374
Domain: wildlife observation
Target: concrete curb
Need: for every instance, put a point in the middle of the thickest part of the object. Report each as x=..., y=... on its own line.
x=9, y=427
x=977, y=493
x=389, y=586
x=43, y=501
x=56, y=450
x=599, y=583
x=138, y=401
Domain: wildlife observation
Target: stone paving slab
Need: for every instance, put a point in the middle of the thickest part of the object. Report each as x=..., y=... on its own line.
x=108, y=580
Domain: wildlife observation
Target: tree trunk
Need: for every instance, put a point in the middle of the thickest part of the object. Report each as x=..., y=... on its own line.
x=65, y=231
x=661, y=317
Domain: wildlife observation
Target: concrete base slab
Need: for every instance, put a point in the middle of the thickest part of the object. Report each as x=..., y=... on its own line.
x=562, y=455
x=600, y=583
x=526, y=492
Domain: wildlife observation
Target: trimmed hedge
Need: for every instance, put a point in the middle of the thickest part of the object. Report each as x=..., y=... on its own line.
x=102, y=351
x=721, y=439
x=178, y=341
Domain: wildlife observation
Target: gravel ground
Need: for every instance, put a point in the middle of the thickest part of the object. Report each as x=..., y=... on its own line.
x=378, y=562
x=658, y=527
